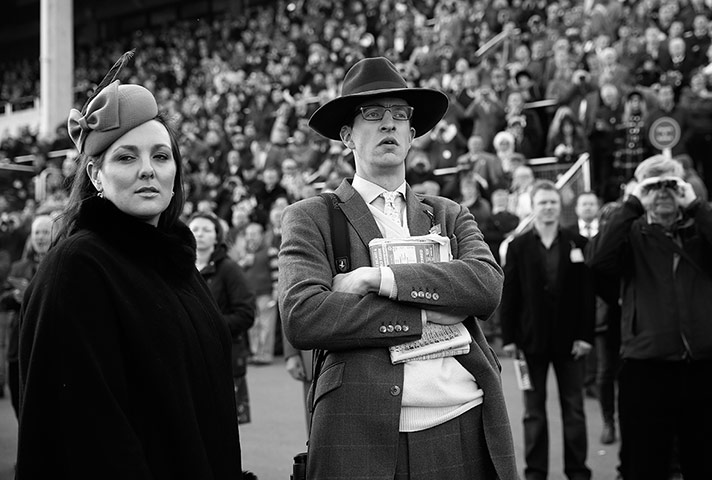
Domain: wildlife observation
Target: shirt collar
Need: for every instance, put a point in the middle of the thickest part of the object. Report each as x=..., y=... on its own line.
x=593, y=224
x=369, y=191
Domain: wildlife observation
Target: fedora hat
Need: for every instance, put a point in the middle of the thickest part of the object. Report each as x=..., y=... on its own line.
x=372, y=78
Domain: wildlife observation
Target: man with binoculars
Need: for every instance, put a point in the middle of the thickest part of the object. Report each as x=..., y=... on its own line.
x=660, y=243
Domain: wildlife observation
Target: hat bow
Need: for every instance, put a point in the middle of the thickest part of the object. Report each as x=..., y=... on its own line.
x=102, y=114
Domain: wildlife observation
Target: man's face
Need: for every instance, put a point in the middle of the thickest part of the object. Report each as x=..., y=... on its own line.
x=379, y=146
x=254, y=234
x=587, y=207
x=663, y=200
x=475, y=144
x=498, y=78
x=677, y=47
x=546, y=205
x=609, y=95
x=270, y=177
x=666, y=96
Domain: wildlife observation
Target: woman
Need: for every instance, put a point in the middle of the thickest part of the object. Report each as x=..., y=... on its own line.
x=124, y=358
x=234, y=298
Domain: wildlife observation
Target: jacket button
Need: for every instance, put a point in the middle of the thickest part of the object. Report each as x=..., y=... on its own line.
x=398, y=328
x=406, y=328
x=414, y=294
x=428, y=295
x=395, y=390
x=382, y=329
x=436, y=297
x=390, y=328
x=421, y=294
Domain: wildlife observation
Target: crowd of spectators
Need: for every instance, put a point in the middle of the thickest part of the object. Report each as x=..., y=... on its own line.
x=526, y=79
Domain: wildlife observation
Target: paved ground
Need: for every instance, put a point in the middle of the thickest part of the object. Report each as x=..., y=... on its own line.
x=278, y=431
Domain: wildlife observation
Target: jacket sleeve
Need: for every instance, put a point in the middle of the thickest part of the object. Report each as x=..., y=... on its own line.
x=240, y=313
x=315, y=317
x=73, y=379
x=470, y=284
x=585, y=328
x=607, y=254
x=702, y=213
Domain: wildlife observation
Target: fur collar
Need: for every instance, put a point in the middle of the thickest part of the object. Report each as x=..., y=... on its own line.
x=171, y=252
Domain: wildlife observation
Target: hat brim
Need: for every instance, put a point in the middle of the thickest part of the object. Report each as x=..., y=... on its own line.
x=429, y=107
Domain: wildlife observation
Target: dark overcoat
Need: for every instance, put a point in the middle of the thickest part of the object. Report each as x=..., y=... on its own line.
x=124, y=359
x=236, y=302
x=357, y=399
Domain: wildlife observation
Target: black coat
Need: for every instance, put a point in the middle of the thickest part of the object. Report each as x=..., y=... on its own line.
x=235, y=300
x=124, y=359
x=524, y=321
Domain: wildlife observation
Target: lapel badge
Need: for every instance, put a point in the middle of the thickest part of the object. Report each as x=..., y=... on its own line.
x=342, y=264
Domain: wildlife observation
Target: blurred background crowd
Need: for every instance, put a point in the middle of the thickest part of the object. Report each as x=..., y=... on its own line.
x=527, y=80
x=531, y=83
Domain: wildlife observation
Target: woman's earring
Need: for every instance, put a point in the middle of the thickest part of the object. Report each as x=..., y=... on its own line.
x=100, y=194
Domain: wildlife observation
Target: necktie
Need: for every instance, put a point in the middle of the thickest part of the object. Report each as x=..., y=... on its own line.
x=587, y=230
x=391, y=208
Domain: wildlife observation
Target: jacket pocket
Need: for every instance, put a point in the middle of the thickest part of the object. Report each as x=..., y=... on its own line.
x=330, y=379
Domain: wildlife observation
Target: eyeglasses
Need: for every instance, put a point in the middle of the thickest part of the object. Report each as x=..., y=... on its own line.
x=374, y=113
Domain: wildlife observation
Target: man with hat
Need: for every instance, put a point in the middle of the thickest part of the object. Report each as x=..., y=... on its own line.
x=442, y=418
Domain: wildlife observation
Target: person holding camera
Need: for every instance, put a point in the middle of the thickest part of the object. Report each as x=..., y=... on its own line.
x=660, y=243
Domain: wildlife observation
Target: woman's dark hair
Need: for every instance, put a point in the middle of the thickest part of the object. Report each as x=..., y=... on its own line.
x=83, y=189
x=219, y=231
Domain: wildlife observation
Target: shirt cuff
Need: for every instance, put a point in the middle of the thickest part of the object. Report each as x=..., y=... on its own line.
x=388, y=288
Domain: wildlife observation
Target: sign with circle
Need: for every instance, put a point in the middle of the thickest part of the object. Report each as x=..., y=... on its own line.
x=664, y=133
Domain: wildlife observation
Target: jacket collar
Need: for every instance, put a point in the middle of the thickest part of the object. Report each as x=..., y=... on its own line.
x=218, y=255
x=360, y=217
x=171, y=252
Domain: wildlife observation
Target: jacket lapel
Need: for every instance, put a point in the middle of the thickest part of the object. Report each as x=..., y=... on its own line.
x=357, y=213
x=565, y=246
x=419, y=214
x=361, y=219
x=535, y=257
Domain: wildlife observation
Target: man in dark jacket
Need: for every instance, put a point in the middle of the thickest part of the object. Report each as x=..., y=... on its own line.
x=548, y=314
x=660, y=242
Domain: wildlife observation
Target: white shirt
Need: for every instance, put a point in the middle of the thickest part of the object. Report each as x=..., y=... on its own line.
x=437, y=390
x=593, y=228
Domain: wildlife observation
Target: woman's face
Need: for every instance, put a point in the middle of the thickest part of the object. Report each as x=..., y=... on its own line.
x=204, y=233
x=138, y=172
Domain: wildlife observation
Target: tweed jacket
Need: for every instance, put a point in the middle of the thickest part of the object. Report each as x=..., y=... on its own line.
x=357, y=398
